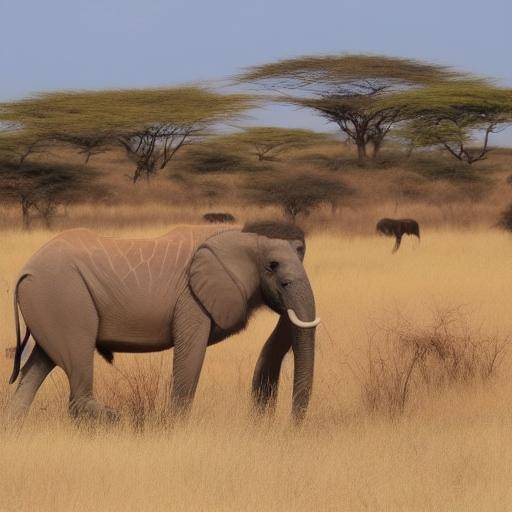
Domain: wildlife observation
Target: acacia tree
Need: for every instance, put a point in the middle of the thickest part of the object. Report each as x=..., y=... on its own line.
x=40, y=188
x=451, y=116
x=267, y=142
x=88, y=144
x=348, y=89
x=296, y=194
x=150, y=124
x=17, y=145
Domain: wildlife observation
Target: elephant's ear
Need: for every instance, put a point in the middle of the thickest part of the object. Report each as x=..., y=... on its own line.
x=217, y=290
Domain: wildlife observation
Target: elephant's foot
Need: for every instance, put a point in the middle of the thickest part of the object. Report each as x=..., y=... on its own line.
x=92, y=411
x=15, y=413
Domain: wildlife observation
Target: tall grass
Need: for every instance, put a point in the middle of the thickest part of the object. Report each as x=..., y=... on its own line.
x=447, y=448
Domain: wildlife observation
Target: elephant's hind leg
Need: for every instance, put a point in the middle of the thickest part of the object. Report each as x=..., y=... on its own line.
x=63, y=320
x=266, y=375
x=32, y=375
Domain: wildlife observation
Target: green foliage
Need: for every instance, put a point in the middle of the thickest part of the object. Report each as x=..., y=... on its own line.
x=346, y=72
x=19, y=144
x=449, y=115
x=213, y=156
x=266, y=142
x=348, y=90
x=121, y=111
x=450, y=99
x=150, y=124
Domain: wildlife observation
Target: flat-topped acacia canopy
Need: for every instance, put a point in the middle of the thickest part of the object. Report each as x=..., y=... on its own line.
x=150, y=124
x=348, y=89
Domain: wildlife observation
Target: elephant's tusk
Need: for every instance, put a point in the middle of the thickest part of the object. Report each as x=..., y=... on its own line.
x=299, y=323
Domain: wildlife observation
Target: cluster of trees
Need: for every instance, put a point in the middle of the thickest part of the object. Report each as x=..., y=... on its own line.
x=373, y=97
x=150, y=125
x=370, y=99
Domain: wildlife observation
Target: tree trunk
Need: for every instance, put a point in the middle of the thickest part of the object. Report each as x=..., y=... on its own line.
x=136, y=174
x=25, y=215
x=361, y=151
x=376, y=148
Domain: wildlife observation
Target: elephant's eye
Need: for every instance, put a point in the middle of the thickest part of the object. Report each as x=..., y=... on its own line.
x=272, y=266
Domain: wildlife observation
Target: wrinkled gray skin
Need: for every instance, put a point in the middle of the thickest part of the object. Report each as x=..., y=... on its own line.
x=188, y=289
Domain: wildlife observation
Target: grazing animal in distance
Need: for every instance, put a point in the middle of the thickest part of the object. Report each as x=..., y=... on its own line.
x=219, y=218
x=190, y=288
x=398, y=228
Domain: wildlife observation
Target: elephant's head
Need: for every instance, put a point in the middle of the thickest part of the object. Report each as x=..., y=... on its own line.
x=235, y=271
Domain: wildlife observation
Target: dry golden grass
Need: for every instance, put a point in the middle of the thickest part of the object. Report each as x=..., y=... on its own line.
x=449, y=450
x=351, y=219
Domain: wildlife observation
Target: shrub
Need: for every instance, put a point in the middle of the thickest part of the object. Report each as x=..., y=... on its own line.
x=139, y=390
x=296, y=194
x=412, y=360
x=213, y=158
x=436, y=168
x=505, y=220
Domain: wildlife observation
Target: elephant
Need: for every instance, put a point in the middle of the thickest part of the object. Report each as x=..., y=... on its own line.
x=218, y=218
x=190, y=288
x=398, y=228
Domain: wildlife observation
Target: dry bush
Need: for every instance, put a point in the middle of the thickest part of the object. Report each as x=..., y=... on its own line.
x=138, y=388
x=411, y=361
x=213, y=158
x=505, y=220
x=297, y=194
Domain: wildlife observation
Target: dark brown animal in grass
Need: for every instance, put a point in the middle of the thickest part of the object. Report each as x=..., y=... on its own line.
x=398, y=228
x=219, y=218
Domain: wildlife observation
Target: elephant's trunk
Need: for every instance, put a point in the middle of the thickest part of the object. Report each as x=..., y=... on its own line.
x=300, y=303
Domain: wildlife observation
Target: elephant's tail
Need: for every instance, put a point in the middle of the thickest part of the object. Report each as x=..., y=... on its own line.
x=20, y=345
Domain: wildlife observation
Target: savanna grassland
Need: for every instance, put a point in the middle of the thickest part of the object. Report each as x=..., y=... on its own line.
x=412, y=403
x=412, y=398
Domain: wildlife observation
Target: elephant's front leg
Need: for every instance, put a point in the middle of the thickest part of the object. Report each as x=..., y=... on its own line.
x=397, y=243
x=191, y=330
x=266, y=375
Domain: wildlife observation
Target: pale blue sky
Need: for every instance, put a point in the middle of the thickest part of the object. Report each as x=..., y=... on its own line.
x=66, y=44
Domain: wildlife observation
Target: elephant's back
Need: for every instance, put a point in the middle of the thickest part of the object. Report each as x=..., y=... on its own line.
x=134, y=283
x=120, y=256
x=57, y=252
